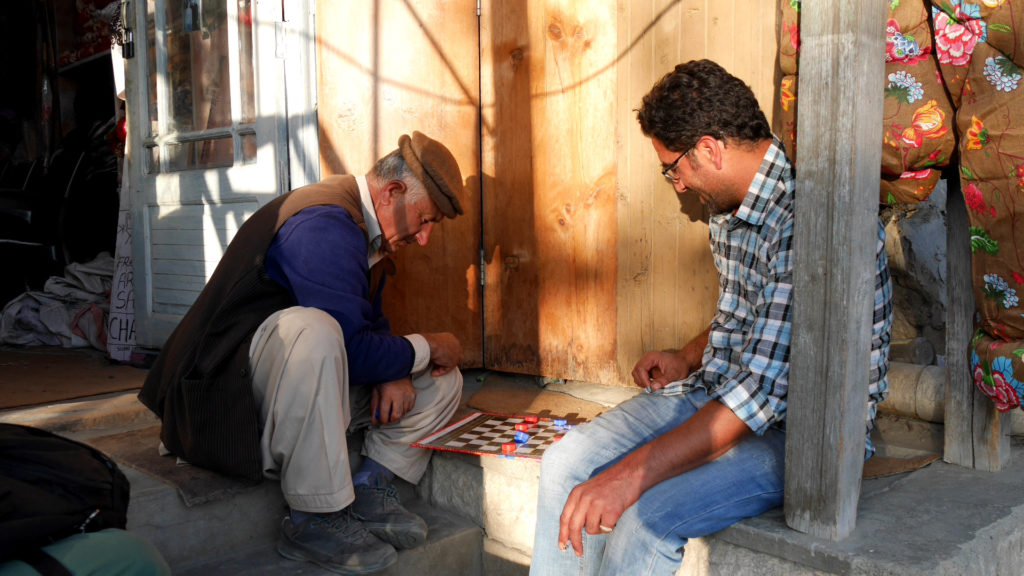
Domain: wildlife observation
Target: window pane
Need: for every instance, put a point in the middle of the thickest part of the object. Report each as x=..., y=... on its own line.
x=152, y=159
x=211, y=153
x=197, y=64
x=245, y=61
x=154, y=115
x=248, y=148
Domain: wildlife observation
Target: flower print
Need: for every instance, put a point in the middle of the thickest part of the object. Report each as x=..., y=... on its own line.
x=1002, y=369
x=903, y=86
x=993, y=3
x=995, y=281
x=794, y=35
x=1018, y=278
x=1003, y=394
x=900, y=47
x=997, y=289
x=977, y=135
x=997, y=383
x=787, y=95
x=1002, y=73
x=916, y=175
x=974, y=199
x=956, y=35
x=928, y=122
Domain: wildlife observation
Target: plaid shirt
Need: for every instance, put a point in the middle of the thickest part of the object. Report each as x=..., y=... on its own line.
x=746, y=363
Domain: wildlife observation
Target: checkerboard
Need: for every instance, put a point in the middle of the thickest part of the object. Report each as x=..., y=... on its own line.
x=483, y=433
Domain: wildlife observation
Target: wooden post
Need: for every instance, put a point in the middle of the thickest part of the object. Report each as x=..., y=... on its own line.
x=842, y=73
x=976, y=434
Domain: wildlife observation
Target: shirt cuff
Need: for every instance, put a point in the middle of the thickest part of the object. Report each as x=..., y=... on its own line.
x=421, y=350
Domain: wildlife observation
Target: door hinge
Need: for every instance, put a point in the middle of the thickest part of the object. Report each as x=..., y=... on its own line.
x=483, y=267
x=478, y=7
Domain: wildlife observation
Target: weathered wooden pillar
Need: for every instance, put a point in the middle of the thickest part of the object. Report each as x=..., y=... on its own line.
x=842, y=75
x=976, y=434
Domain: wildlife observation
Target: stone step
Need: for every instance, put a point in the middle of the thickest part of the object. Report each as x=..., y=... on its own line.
x=238, y=533
x=453, y=547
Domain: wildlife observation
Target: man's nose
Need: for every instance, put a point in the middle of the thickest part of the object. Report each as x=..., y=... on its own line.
x=424, y=234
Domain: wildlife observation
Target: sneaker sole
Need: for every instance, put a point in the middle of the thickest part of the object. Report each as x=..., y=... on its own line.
x=400, y=538
x=293, y=552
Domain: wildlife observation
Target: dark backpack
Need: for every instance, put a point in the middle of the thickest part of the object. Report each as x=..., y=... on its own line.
x=52, y=487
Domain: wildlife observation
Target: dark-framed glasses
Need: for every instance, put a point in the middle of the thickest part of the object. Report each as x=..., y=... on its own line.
x=670, y=172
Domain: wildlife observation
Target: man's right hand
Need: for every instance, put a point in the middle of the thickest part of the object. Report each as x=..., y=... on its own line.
x=657, y=369
x=445, y=352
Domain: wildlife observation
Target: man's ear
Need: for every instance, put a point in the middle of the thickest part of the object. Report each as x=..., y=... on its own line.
x=390, y=190
x=712, y=149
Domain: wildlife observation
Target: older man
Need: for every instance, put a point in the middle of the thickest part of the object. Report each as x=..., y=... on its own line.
x=286, y=349
x=704, y=448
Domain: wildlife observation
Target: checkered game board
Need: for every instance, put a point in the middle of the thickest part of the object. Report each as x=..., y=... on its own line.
x=482, y=433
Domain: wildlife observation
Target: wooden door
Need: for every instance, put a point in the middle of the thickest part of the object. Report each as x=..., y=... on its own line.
x=205, y=114
x=587, y=260
x=386, y=68
x=548, y=85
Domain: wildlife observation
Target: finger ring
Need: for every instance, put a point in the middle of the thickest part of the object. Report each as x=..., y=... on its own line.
x=604, y=528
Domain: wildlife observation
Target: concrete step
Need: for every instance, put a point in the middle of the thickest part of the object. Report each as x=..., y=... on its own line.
x=453, y=547
x=237, y=534
x=937, y=520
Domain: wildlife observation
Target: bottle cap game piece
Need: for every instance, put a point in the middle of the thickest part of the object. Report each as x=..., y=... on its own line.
x=522, y=426
x=522, y=436
x=560, y=422
x=509, y=447
x=531, y=419
x=556, y=438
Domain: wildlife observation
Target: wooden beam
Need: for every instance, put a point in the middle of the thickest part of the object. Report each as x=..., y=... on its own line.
x=976, y=434
x=842, y=73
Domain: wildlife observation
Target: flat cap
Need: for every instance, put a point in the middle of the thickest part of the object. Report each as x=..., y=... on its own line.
x=436, y=168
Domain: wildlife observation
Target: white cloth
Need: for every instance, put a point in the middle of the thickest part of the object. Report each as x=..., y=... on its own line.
x=68, y=312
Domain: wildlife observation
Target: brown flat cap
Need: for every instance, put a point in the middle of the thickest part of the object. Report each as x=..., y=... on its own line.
x=436, y=168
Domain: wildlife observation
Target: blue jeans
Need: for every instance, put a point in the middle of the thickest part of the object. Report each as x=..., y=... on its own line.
x=650, y=535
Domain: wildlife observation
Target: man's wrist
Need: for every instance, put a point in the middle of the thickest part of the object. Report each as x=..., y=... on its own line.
x=421, y=349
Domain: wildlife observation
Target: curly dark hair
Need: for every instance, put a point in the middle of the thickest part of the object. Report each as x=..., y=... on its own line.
x=699, y=98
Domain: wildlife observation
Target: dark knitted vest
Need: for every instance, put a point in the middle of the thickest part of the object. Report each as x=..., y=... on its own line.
x=200, y=385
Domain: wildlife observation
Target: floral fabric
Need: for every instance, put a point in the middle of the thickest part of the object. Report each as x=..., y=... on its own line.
x=979, y=39
x=917, y=136
x=953, y=71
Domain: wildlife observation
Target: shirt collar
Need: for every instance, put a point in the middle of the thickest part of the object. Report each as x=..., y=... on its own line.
x=373, y=233
x=774, y=168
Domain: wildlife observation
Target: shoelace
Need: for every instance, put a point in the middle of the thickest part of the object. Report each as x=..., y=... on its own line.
x=343, y=522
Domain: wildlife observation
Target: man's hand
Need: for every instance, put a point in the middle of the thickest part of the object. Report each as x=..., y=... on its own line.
x=657, y=369
x=391, y=400
x=445, y=352
x=595, y=506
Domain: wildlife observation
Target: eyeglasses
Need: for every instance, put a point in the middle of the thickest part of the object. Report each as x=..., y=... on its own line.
x=669, y=173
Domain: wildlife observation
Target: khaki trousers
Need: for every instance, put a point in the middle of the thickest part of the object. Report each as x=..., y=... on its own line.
x=300, y=381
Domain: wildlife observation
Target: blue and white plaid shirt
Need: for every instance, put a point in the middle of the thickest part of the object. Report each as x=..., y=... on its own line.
x=746, y=362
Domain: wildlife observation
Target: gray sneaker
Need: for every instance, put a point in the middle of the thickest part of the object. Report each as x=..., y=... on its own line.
x=383, y=515
x=338, y=542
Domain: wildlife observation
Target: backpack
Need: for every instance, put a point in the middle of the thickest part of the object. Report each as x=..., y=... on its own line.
x=52, y=487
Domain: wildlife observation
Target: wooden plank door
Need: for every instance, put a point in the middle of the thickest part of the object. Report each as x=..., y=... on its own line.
x=386, y=68
x=548, y=83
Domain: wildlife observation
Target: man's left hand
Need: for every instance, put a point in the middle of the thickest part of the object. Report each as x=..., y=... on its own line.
x=390, y=401
x=595, y=506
